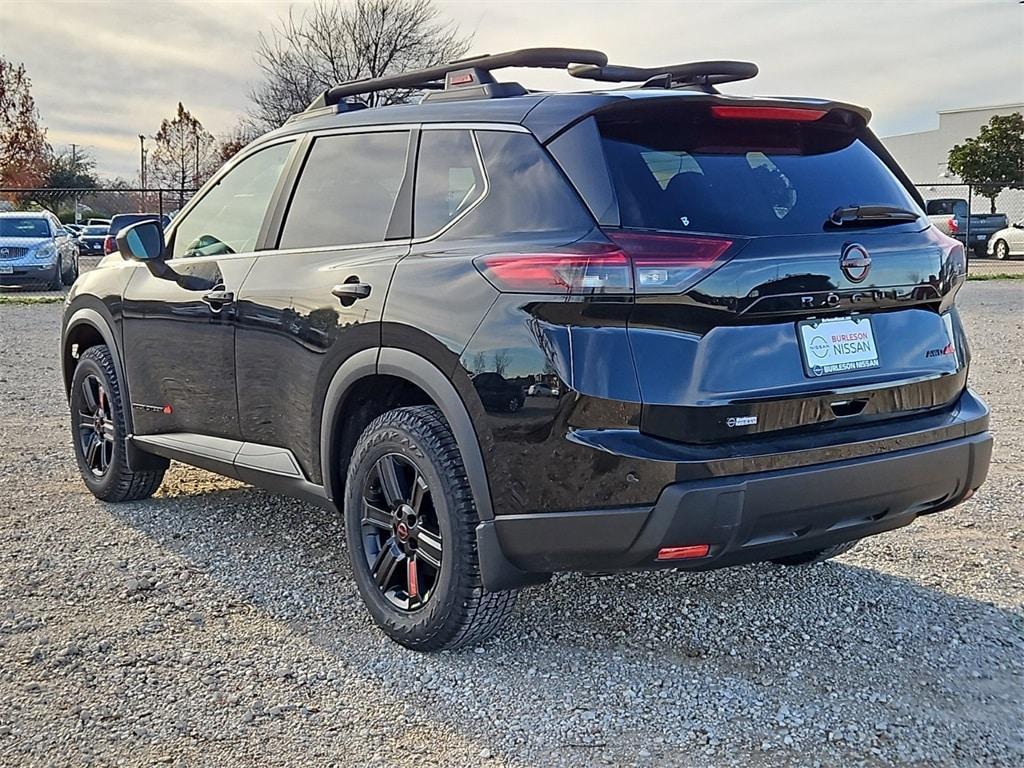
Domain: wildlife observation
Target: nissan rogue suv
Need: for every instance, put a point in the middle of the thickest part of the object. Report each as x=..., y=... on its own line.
x=744, y=318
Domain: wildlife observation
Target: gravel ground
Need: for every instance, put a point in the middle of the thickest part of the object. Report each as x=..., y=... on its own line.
x=219, y=625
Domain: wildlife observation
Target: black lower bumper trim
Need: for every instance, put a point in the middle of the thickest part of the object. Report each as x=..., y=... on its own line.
x=753, y=517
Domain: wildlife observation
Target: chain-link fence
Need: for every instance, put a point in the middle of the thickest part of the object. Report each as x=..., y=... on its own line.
x=961, y=211
x=78, y=205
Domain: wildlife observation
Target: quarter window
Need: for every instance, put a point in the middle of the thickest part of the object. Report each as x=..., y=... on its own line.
x=228, y=217
x=448, y=179
x=347, y=191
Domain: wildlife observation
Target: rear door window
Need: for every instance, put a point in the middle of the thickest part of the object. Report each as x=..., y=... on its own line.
x=681, y=169
x=347, y=190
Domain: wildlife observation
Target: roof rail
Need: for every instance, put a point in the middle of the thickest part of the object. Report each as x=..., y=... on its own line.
x=465, y=78
x=697, y=74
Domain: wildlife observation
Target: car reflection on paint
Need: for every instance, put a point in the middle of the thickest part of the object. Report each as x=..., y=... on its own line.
x=497, y=393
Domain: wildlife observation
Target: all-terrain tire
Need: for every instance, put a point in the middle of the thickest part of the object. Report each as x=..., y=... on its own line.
x=816, y=555
x=458, y=611
x=117, y=482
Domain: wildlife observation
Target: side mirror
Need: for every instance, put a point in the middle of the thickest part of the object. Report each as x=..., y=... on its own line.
x=143, y=241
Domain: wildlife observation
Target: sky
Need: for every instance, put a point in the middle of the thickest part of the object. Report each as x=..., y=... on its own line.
x=104, y=72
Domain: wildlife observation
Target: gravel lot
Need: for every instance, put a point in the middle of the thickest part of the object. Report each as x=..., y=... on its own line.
x=219, y=625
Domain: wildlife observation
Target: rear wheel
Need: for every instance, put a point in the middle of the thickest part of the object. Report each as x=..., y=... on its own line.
x=410, y=525
x=1001, y=250
x=816, y=555
x=98, y=430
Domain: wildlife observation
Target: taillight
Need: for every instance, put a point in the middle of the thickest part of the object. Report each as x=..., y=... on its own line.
x=669, y=263
x=109, y=244
x=791, y=114
x=953, y=226
x=586, y=270
x=636, y=261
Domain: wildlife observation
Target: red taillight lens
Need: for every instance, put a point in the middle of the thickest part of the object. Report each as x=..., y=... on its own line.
x=791, y=114
x=684, y=553
x=648, y=263
x=669, y=263
x=953, y=226
x=109, y=245
x=605, y=269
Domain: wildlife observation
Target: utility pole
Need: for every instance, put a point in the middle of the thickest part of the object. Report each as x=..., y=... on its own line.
x=142, y=168
x=74, y=167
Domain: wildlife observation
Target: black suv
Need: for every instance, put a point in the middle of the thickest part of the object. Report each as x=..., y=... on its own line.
x=746, y=324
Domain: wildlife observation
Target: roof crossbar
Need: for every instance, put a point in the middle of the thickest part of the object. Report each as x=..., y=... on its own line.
x=701, y=74
x=470, y=72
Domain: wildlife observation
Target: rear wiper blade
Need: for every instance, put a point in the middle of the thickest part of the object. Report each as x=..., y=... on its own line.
x=875, y=214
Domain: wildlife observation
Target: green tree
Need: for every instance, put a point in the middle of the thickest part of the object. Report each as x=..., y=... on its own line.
x=24, y=153
x=994, y=159
x=66, y=170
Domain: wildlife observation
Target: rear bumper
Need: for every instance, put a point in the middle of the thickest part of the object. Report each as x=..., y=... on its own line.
x=745, y=518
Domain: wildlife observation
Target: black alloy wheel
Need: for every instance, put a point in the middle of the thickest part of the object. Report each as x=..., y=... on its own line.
x=96, y=429
x=402, y=540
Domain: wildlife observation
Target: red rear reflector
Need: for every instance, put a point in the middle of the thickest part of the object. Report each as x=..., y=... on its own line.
x=684, y=553
x=792, y=114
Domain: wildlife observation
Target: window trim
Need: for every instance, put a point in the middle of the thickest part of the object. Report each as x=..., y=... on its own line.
x=285, y=201
x=462, y=214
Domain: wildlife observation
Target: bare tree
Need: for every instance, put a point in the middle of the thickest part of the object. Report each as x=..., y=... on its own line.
x=24, y=153
x=308, y=52
x=185, y=153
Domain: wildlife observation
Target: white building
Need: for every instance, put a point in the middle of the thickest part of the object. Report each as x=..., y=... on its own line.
x=923, y=155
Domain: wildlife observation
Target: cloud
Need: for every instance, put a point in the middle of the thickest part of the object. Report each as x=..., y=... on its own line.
x=104, y=72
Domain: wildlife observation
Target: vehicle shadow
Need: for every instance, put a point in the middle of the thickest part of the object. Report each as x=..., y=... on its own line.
x=866, y=661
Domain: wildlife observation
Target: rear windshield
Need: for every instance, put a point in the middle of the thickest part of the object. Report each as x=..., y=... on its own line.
x=96, y=230
x=27, y=227
x=684, y=170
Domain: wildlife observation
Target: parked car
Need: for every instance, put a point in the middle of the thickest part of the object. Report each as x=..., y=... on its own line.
x=542, y=390
x=74, y=229
x=952, y=216
x=35, y=248
x=122, y=220
x=1007, y=242
x=92, y=238
x=750, y=319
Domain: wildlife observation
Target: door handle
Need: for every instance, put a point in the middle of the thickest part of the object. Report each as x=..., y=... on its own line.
x=218, y=298
x=351, y=292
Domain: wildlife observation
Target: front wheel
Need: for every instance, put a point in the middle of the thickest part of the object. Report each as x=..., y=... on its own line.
x=57, y=281
x=410, y=524
x=816, y=555
x=98, y=431
x=1001, y=250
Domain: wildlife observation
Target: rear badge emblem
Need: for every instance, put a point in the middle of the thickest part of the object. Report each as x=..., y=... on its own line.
x=855, y=263
x=741, y=421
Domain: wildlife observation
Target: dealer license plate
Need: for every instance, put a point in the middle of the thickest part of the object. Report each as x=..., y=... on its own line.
x=837, y=345
x=6, y=269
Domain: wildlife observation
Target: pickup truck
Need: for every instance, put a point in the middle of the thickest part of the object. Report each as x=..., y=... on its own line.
x=952, y=216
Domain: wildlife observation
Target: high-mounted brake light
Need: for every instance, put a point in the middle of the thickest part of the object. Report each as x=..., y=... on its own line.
x=640, y=261
x=790, y=114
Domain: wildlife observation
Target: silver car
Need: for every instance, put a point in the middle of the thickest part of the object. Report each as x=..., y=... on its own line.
x=1007, y=242
x=36, y=248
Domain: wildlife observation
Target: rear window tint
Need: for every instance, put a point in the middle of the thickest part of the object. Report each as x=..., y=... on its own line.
x=347, y=191
x=449, y=179
x=683, y=170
